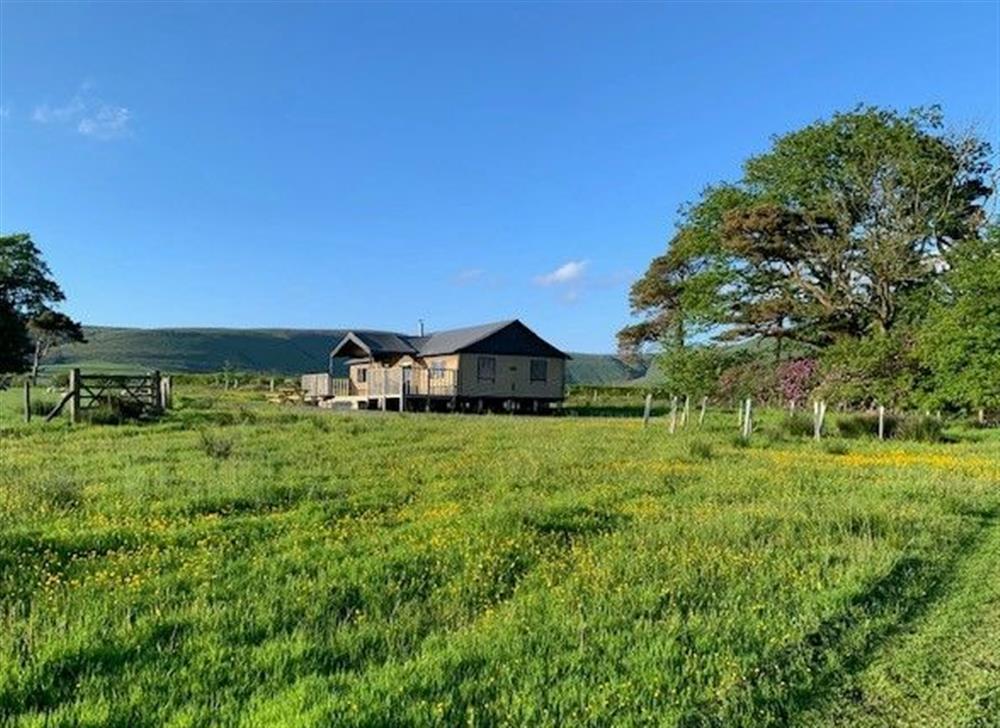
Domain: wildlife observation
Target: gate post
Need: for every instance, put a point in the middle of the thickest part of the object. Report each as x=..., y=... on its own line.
x=157, y=388
x=74, y=400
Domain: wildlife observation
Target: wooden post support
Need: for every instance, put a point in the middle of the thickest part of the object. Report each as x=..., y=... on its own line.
x=701, y=415
x=74, y=400
x=27, y=400
x=687, y=410
x=647, y=408
x=673, y=415
x=982, y=416
x=747, y=420
x=881, y=422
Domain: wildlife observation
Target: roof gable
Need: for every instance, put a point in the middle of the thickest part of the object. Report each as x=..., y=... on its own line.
x=514, y=338
x=500, y=337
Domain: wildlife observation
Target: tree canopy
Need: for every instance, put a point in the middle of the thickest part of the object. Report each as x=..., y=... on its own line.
x=839, y=232
x=29, y=324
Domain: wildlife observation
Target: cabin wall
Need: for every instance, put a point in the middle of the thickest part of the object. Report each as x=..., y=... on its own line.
x=513, y=377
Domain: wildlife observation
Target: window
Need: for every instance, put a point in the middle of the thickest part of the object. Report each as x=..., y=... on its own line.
x=539, y=370
x=362, y=375
x=487, y=369
x=437, y=370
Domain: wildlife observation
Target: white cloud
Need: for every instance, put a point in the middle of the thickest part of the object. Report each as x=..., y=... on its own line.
x=108, y=122
x=566, y=273
x=91, y=116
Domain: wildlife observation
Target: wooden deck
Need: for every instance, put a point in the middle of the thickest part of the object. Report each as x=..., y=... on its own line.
x=383, y=383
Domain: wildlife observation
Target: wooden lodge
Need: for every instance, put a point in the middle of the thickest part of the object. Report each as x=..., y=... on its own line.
x=502, y=366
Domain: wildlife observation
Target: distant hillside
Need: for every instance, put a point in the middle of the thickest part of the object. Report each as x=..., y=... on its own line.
x=280, y=351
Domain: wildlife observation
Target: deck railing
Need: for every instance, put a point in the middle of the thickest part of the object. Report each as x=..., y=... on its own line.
x=385, y=382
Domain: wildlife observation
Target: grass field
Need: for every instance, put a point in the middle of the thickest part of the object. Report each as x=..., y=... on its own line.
x=247, y=565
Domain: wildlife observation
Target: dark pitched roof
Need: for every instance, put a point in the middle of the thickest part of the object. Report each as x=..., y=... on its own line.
x=445, y=342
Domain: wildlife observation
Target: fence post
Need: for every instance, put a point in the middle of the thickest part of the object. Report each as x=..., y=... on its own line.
x=748, y=420
x=74, y=400
x=701, y=416
x=881, y=422
x=791, y=408
x=673, y=415
x=982, y=416
x=647, y=408
x=819, y=414
x=739, y=415
x=27, y=400
x=687, y=410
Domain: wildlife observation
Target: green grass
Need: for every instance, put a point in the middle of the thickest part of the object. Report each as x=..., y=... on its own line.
x=248, y=565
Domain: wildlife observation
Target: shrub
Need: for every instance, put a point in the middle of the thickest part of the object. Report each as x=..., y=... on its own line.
x=798, y=425
x=835, y=447
x=116, y=411
x=922, y=428
x=866, y=425
x=217, y=448
x=700, y=450
x=41, y=407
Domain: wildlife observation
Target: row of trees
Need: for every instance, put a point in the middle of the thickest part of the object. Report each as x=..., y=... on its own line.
x=30, y=325
x=856, y=258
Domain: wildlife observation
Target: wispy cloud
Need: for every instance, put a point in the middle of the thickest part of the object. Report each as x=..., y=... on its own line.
x=108, y=122
x=92, y=116
x=468, y=276
x=566, y=273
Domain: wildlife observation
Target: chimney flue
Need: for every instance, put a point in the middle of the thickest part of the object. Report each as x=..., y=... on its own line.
x=421, y=326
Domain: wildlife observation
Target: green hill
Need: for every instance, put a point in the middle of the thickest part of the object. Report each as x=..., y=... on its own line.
x=278, y=351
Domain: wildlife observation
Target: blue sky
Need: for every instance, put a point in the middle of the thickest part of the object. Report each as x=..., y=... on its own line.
x=327, y=165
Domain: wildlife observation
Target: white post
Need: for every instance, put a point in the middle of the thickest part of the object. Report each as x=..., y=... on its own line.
x=791, y=408
x=819, y=415
x=748, y=420
x=982, y=416
x=646, y=410
x=673, y=415
x=881, y=422
x=701, y=417
x=739, y=415
x=687, y=410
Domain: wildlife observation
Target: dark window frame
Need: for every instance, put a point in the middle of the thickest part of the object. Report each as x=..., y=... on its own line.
x=490, y=376
x=544, y=364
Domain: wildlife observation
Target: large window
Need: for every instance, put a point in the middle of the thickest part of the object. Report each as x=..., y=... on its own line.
x=487, y=369
x=437, y=370
x=539, y=370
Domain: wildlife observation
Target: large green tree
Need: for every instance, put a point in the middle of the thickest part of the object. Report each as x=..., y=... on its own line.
x=29, y=325
x=835, y=239
x=832, y=233
x=960, y=341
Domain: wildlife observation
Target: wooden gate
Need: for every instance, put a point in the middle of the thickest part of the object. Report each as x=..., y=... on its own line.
x=149, y=393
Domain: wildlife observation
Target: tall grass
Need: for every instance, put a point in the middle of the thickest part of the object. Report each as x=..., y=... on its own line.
x=444, y=570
